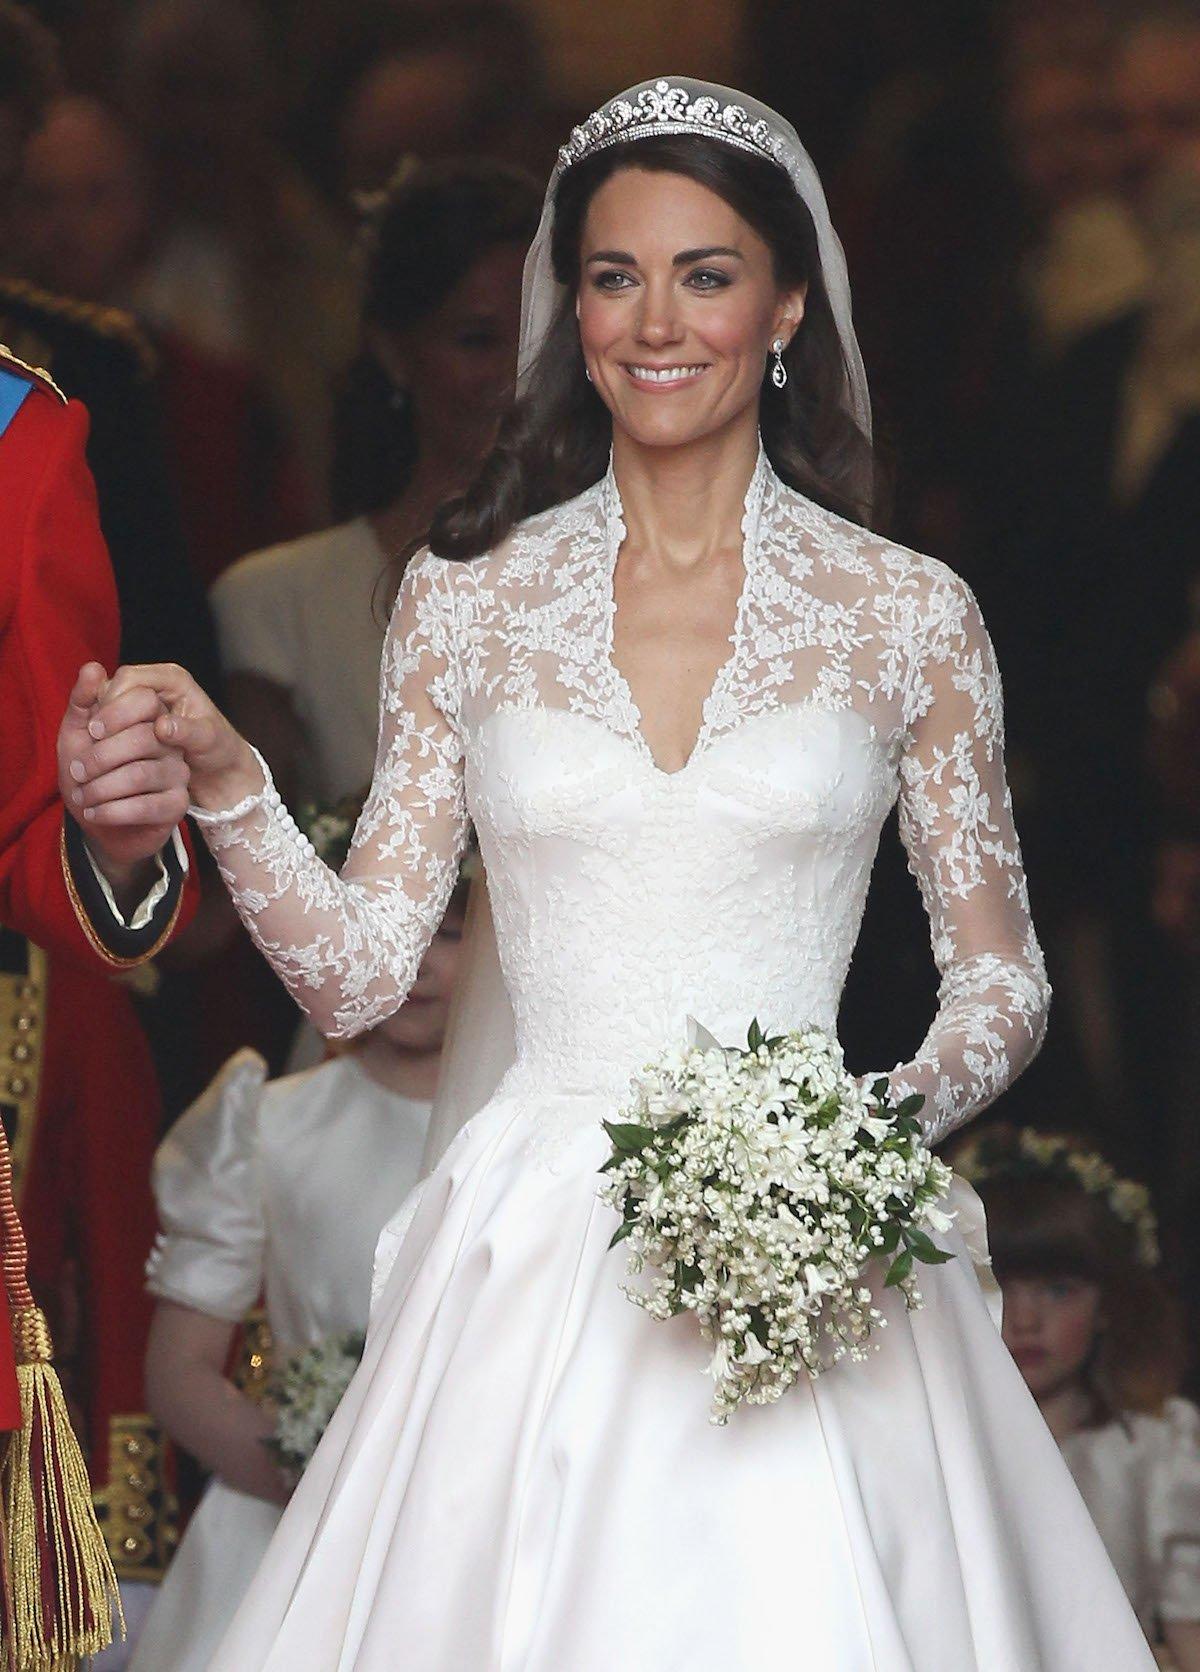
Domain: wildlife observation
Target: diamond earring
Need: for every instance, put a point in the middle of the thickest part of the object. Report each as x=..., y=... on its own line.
x=778, y=370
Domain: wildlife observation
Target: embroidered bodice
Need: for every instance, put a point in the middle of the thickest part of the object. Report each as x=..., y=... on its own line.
x=627, y=898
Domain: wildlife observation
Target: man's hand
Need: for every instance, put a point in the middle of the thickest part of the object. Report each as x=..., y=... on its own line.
x=221, y=766
x=127, y=791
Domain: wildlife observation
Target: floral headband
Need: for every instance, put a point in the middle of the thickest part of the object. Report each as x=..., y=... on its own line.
x=1050, y=1155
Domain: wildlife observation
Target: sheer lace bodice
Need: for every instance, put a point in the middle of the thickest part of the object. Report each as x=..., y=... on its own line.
x=627, y=898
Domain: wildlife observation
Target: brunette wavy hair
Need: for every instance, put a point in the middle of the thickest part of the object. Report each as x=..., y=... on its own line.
x=1043, y=1226
x=422, y=237
x=555, y=441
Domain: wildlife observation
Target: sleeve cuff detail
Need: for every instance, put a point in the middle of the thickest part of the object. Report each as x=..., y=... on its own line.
x=118, y=943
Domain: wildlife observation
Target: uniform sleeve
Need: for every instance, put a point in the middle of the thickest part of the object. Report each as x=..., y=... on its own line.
x=61, y=612
x=348, y=948
x=957, y=827
x=207, y=1187
x=1175, y=1514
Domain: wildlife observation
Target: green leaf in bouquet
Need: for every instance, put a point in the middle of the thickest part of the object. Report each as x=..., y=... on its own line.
x=880, y=1089
x=924, y=1248
x=687, y=1276
x=628, y=1136
x=900, y=1268
x=754, y=1036
x=621, y=1232
x=758, y=1326
x=910, y=1105
x=891, y=1238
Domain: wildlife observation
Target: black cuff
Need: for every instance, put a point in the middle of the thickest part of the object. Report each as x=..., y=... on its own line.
x=122, y=943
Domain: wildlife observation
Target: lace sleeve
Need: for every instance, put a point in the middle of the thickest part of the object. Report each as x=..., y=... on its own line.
x=347, y=948
x=957, y=826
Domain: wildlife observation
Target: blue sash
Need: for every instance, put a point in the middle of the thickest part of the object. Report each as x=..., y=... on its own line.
x=13, y=390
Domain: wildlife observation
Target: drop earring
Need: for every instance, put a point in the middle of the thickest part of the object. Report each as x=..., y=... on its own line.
x=778, y=370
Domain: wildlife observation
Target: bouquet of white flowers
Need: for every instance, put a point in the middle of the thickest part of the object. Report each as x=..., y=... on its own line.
x=755, y=1187
x=305, y=1394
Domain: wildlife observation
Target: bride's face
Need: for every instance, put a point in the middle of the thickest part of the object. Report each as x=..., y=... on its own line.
x=678, y=306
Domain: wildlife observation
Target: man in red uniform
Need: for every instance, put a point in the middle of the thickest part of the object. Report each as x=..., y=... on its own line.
x=78, y=1094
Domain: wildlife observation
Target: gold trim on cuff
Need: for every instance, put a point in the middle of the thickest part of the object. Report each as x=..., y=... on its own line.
x=112, y=959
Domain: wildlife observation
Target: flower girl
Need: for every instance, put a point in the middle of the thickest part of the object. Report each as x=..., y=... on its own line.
x=279, y=1189
x=1091, y=1325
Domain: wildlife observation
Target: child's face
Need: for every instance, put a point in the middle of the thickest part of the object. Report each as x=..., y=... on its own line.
x=1050, y=1325
x=420, y=1022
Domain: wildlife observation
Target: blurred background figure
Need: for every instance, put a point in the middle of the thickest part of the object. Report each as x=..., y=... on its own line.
x=243, y=262
x=276, y=1190
x=301, y=626
x=1108, y=519
x=83, y=224
x=390, y=79
x=1095, y=1332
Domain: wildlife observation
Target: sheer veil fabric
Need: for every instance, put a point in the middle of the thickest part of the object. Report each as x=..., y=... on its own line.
x=479, y=1040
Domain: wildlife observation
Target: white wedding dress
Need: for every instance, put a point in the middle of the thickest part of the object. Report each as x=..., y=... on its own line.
x=523, y=1476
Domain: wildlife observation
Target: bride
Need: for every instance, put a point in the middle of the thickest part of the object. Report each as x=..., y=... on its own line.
x=663, y=667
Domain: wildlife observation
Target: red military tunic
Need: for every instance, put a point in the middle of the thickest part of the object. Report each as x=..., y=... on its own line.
x=77, y=1085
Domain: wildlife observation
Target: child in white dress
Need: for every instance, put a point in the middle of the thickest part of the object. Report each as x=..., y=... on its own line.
x=1092, y=1328
x=276, y=1188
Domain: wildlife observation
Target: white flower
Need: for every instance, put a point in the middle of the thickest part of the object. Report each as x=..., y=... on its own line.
x=760, y=1210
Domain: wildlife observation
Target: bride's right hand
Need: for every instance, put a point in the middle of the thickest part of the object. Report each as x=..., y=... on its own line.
x=222, y=767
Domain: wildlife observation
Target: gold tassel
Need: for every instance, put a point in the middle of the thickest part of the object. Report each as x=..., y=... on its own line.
x=63, y=1589
x=60, y=1593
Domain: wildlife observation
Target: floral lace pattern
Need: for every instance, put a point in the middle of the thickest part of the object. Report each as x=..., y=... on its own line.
x=627, y=898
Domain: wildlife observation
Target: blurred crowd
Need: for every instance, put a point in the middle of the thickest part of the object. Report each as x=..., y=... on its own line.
x=277, y=251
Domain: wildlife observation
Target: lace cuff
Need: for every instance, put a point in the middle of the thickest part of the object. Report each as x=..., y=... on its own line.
x=268, y=797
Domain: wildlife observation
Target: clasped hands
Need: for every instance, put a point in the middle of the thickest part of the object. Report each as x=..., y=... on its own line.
x=134, y=750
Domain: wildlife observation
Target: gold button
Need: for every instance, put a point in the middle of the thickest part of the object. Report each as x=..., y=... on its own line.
x=26, y=1022
x=21, y=1052
x=18, y=1085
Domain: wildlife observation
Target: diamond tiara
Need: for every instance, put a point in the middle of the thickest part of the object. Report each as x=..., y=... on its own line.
x=663, y=109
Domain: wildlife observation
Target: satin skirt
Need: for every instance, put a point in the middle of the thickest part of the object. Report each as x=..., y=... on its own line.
x=523, y=1476
x=208, y=1576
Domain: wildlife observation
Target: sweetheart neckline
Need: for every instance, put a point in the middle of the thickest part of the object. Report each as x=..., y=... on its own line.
x=634, y=743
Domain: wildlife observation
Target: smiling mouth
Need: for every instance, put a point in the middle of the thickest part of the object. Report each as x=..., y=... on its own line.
x=665, y=377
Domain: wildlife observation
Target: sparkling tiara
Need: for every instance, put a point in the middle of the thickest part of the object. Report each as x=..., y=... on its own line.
x=663, y=109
